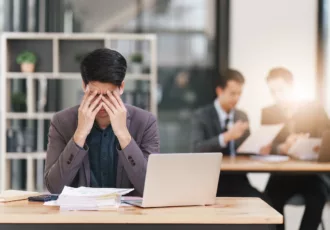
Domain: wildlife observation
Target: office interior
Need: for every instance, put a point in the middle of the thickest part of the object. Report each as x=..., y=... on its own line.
x=195, y=41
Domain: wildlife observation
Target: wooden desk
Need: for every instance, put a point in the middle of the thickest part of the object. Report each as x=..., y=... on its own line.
x=246, y=164
x=228, y=213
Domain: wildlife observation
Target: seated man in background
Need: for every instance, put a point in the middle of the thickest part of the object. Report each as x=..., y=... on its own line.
x=102, y=142
x=299, y=119
x=220, y=127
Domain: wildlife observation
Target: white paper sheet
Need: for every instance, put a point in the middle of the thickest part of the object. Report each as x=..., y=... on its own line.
x=271, y=158
x=54, y=203
x=93, y=192
x=259, y=138
x=305, y=148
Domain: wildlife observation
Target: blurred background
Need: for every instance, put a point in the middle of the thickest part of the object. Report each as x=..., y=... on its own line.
x=196, y=40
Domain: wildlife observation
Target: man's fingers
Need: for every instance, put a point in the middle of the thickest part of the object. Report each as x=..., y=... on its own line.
x=89, y=100
x=97, y=109
x=110, y=106
x=94, y=104
x=113, y=100
x=106, y=107
x=87, y=93
x=120, y=101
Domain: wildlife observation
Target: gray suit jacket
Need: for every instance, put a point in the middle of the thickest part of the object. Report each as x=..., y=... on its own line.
x=67, y=164
x=206, y=129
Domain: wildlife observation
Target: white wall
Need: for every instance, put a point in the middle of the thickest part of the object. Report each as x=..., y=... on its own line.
x=269, y=33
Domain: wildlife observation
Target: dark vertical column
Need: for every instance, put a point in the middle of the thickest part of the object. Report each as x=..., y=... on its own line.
x=321, y=52
x=36, y=15
x=23, y=16
x=222, y=35
x=54, y=14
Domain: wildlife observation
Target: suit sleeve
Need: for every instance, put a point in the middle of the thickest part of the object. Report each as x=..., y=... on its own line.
x=199, y=143
x=246, y=134
x=63, y=160
x=135, y=157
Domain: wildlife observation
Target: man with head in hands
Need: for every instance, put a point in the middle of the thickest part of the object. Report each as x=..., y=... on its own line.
x=103, y=142
x=221, y=127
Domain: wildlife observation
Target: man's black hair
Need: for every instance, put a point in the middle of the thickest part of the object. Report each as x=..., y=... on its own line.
x=230, y=75
x=103, y=65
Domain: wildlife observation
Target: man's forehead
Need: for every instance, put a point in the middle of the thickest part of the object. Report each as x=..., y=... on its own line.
x=101, y=88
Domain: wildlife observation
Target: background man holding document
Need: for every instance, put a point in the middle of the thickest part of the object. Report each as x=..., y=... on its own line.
x=102, y=142
x=220, y=127
x=300, y=121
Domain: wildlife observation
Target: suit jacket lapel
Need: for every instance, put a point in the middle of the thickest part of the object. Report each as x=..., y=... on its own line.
x=215, y=120
x=120, y=167
x=86, y=166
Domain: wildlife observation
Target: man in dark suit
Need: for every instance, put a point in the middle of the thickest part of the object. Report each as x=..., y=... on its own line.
x=220, y=127
x=300, y=119
x=102, y=142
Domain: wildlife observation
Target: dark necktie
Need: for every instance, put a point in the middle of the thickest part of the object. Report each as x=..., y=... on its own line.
x=226, y=151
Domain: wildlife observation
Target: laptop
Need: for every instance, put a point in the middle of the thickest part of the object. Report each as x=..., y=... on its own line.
x=184, y=179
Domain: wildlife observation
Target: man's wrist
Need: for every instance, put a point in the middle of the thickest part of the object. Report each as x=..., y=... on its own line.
x=79, y=139
x=124, y=138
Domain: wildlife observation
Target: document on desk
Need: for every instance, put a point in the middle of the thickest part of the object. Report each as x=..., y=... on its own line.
x=306, y=148
x=84, y=198
x=13, y=195
x=271, y=158
x=259, y=138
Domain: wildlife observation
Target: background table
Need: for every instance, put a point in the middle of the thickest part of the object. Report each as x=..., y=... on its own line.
x=246, y=164
x=227, y=214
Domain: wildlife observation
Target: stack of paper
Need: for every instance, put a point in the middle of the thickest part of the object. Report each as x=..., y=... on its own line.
x=84, y=198
x=13, y=195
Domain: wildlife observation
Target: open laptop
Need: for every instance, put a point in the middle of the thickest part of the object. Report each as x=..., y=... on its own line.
x=184, y=179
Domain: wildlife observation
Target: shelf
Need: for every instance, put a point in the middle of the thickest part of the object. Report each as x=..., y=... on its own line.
x=77, y=36
x=33, y=155
x=68, y=76
x=56, y=51
x=18, y=75
x=47, y=116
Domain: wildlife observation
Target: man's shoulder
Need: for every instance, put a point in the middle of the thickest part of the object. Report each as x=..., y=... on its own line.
x=138, y=114
x=208, y=109
x=204, y=110
x=241, y=113
x=310, y=108
x=68, y=115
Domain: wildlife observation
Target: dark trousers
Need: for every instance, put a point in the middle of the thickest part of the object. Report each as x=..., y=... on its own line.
x=281, y=188
x=237, y=185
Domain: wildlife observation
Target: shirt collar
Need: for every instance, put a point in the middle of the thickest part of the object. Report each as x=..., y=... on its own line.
x=221, y=112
